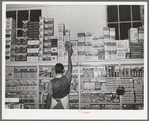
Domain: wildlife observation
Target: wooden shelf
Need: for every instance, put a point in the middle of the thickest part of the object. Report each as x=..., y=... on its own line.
x=103, y=103
x=92, y=63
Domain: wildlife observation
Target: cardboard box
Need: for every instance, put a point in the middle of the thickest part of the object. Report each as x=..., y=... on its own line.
x=26, y=85
x=54, y=49
x=32, y=50
x=32, y=58
x=33, y=42
x=81, y=39
x=133, y=34
x=46, y=57
x=49, y=20
x=33, y=85
x=121, y=54
x=20, y=85
x=106, y=31
x=53, y=58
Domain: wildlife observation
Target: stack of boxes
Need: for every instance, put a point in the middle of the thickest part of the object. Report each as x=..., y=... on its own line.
x=54, y=51
x=88, y=47
x=128, y=84
x=136, y=50
x=32, y=50
x=136, y=38
x=138, y=88
x=10, y=39
x=81, y=46
x=141, y=34
x=60, y=42
x=110, y=45
x=112, y=85
x=101, y=48
x=122, y=48
x=41, y=38
x=128, y=98
x=106, y=34
x=33, y=30
x=46, y=44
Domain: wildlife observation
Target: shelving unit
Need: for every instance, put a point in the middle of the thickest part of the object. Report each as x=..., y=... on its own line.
x=78, y=64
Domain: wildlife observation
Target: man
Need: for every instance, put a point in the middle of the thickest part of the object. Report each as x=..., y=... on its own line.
x=59, y=87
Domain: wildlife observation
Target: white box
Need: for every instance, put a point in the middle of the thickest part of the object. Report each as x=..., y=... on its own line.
x=53, y=49
x=53, y=58
x=121, y=54
x=32, y=50
x=81, y=39
x=33, y=42
x=107, y=55
x=61, y=58
x=32, y=58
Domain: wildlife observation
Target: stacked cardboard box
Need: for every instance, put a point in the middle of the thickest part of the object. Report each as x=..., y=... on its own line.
x=32, y=50
x=110, y=50
x=10, y=39
x=106, y=34
x=141, y=34
x=128, y=98
x=127, y=84
x=112, y=84
x=81, y=46
x=88, y=47
x=133, y=34
x=136, y=50
x=33, y=30
x=122, y=48
x=61, y=33
x=112, y=34
x=41, y=38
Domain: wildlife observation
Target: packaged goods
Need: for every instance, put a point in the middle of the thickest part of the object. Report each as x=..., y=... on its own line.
x=101, y=97
x=86, y=85
x=33, y=85
x=81, y=39
x=116, y=98
x=141, y=34
x=121, y=54
x=106, y=31
x=106, y=39
x=107, y=55
x=108, y=97
x=49, y=20
x=133, y=34
x=25, y=72
x=26, y=85
x=9, y=73
x=20, y=85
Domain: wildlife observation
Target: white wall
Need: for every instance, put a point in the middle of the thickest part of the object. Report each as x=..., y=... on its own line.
x=77, y=18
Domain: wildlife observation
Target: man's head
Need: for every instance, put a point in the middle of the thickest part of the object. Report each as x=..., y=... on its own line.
x=59, y=68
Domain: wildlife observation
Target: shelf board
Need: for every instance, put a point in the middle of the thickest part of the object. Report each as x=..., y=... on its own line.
x=92, y=63
x=21, y=91
x=103, y=103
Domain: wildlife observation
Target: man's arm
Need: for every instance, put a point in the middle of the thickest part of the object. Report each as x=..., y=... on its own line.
x=69, y=71
x=49, y=96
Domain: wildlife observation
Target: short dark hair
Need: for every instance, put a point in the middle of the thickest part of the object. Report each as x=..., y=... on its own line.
x=59, y=68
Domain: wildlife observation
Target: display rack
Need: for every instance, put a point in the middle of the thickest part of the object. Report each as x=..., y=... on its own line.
x=118, y=62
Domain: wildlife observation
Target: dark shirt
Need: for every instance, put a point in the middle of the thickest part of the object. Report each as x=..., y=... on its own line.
x=60, y=87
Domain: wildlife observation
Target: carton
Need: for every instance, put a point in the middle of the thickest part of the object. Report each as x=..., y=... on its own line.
x=25, y=72
x=81, y=39
x=33, y=72
x=46, y=57
x=121, y=54
x=33, y=85
x=26, y=85
x=106, y=31
x=32, y=58
x=20, y=85
x=32, y=50
x=133, y=34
